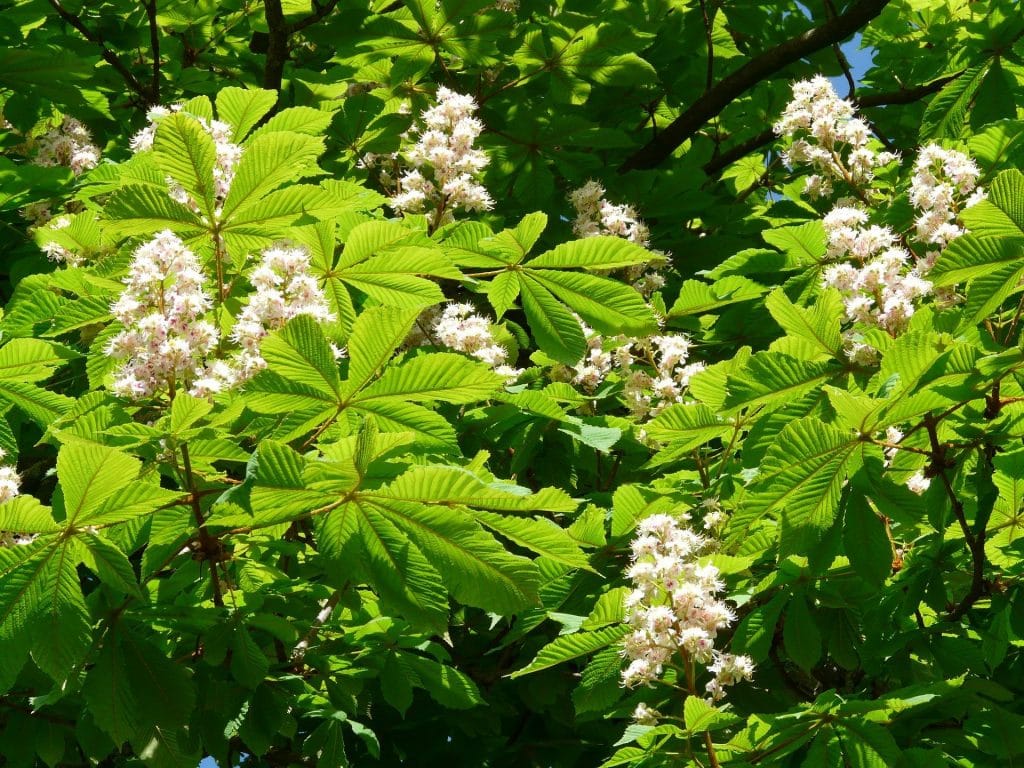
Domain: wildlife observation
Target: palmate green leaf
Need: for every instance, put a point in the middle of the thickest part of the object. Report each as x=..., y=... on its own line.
x=502, y=292
x=269, y=161
x=554, y=328
x=512, y=245
x=997, y=145
x=609, y=609
x=865, y=541
x=107, y=561
x=801, y=479
x=568, y=647
x=243, y=108
x=277, y=210
x=128, y=501
x=82, y=312
x=474, y=567
x=988, y=291
x=90, y=474
x=372, y=238
x=41, y=600
x=803, y=245
x=390, y=287
x=800, y=634
x=186, y=153
x=435, y=377
x=1006, y=523
x=298, y=120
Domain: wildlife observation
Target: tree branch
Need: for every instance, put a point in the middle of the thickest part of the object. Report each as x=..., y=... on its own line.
x=154, y=44
x=319, y=11
x=867, y=101
x=108, y=55
x=975, y=539
x=277, y=45
x=750, y=74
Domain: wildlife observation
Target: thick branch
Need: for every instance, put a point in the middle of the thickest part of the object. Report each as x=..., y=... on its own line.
x=746, y=77
x=108, y=55
x=154, y=44
x=277, y=45
x=867, y=101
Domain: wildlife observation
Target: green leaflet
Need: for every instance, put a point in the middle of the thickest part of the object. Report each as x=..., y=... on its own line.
x=556, y=331
x=186, y=153
x=774, y=378
x=269, y=161
x=818, y=324
x=243, y=108
x=800, y=480
x=945, y=115
x=601, y=252
x=572, y=646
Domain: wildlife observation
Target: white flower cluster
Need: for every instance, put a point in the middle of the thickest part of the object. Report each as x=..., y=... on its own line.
x=674, y=608
x=444, y=162
x=55, y=251
x=828, y=136
x=646, y=393
x=10, y=486
x=68, y=144
x=284, y=289
x=597, y=216
x=228, y=153
x=917, y=483
x=461, y=329
x=944, y=183
x=165, y=340
x=10, y=483
x=879, y=279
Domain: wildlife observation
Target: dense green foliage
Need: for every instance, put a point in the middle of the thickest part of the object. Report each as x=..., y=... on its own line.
x=339, y=534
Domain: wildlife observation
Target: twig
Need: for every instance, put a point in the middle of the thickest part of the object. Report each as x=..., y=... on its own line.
x=210, y=545
x=755, y=71
x=154, y=43
x=709, y=40
x=299, y=652
x=319, y=11
x=975, y=540
x=108, y=55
